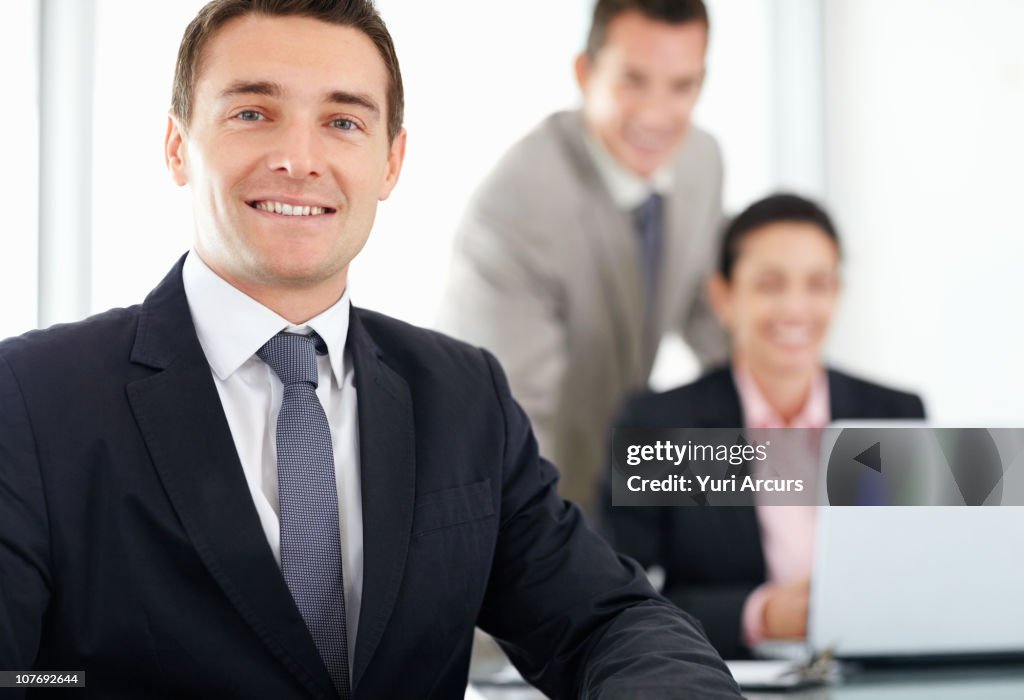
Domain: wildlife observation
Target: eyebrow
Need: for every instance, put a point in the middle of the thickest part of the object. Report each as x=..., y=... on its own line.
x=271, y=89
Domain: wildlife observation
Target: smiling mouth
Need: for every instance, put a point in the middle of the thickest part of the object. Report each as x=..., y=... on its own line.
x=793, y=335
x=274, y=207
x=646, y=141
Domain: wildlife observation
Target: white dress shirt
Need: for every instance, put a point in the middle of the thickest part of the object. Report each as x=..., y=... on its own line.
x=628, y=190
x=231, y=327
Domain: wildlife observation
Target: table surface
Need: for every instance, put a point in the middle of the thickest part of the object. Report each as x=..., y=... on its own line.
x=996, y=682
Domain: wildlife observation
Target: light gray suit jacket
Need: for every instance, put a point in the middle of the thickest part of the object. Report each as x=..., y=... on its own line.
x=547, y=275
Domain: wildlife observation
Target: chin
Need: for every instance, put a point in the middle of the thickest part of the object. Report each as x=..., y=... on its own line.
x=804, y=363
x=288, y=271
x=644, y=163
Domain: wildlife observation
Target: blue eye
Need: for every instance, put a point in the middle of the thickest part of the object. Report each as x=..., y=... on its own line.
x=249, y=115
x=344, y=124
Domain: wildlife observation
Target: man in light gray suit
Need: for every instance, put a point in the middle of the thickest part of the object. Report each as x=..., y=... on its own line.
x=592, y=237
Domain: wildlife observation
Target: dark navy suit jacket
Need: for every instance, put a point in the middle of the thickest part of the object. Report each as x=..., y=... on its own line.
x=712, y=557
x=130, y=547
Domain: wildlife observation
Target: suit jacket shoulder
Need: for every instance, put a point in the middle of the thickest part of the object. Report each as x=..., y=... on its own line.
x=73, y=360
x=421, y=350
x=711, y=401
x=548, y=175
x=853, y=397
x=69, y=340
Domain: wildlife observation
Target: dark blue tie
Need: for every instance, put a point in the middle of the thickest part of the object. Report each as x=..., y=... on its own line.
x=650, y=228
x=310, y=534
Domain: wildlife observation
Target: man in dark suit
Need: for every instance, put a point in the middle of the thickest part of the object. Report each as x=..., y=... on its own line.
x=245, y=487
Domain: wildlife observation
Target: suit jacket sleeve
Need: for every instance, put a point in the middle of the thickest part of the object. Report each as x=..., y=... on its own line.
x=498, y=296
x=647, y=534
x=24, y=532
x=576, y=619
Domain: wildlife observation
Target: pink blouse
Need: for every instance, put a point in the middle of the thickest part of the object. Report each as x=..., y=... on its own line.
x=787, y=532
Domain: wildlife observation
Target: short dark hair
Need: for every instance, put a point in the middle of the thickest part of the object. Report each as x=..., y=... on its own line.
x=770, y=210
x=669, y=11
x=358, y=14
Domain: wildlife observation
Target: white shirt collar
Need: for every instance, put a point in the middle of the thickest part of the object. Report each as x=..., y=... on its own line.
x=232, y=326
x=628, y=189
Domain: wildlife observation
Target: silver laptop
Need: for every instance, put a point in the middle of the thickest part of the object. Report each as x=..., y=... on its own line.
x=919, y=581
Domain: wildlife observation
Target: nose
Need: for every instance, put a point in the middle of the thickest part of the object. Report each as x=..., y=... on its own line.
x=796, y=304
x=655, y=111
x=296, y=153
x=664, y=106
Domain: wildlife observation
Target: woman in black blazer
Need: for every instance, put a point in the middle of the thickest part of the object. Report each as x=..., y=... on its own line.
x=775, y=290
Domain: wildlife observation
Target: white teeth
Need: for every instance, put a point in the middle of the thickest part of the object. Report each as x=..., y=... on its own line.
x=647, y=141
x=288, y=209
x=792, y=335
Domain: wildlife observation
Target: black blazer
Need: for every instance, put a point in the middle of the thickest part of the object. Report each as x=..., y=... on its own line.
x=130, y=547
x=712, y=557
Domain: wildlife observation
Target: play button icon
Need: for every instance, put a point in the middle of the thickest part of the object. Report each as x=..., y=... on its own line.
x=855, y=476
x=923, y=466
x=871, y=457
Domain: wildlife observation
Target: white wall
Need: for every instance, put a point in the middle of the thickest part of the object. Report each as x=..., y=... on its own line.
x=925, y=152
x=19, y=176
x=142, y=222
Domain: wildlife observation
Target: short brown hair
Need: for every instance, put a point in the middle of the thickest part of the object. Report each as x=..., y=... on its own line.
x=358, y=14
x=669, y=11
x=776, y=208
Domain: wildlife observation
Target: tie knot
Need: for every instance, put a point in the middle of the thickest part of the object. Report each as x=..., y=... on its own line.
x=292, y=357
x=649, y=211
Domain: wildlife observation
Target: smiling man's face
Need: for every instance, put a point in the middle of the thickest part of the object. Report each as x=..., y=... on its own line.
x=287, y=152
x=641, y=87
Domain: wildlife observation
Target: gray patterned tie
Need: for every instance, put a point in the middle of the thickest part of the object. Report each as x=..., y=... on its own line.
x=650, y=228
x=310, y=534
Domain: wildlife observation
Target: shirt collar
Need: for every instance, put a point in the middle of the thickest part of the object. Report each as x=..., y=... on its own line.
x=758, y=413
x=232, y=326
x=628, y=190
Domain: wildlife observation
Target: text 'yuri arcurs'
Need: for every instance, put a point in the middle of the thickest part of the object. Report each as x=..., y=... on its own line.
x=705, y=484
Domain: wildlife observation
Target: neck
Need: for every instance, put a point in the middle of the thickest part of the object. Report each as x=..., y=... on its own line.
x=297, y=303
x=786, y=392
x=297, y=306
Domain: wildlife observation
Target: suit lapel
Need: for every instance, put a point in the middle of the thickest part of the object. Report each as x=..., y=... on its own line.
x=606, y=233
x=842, y=401
x=677, y=254
x=724, y=410
x=182, y=422
x=387, y=455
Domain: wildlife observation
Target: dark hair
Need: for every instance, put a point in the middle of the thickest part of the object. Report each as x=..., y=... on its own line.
x=670, y=11
x=358, y=14
x=770, y=210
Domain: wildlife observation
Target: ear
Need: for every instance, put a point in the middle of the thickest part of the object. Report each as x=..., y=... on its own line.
x=720, y=297
x=396, y=156
x=174, y=151
x=582, y=68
